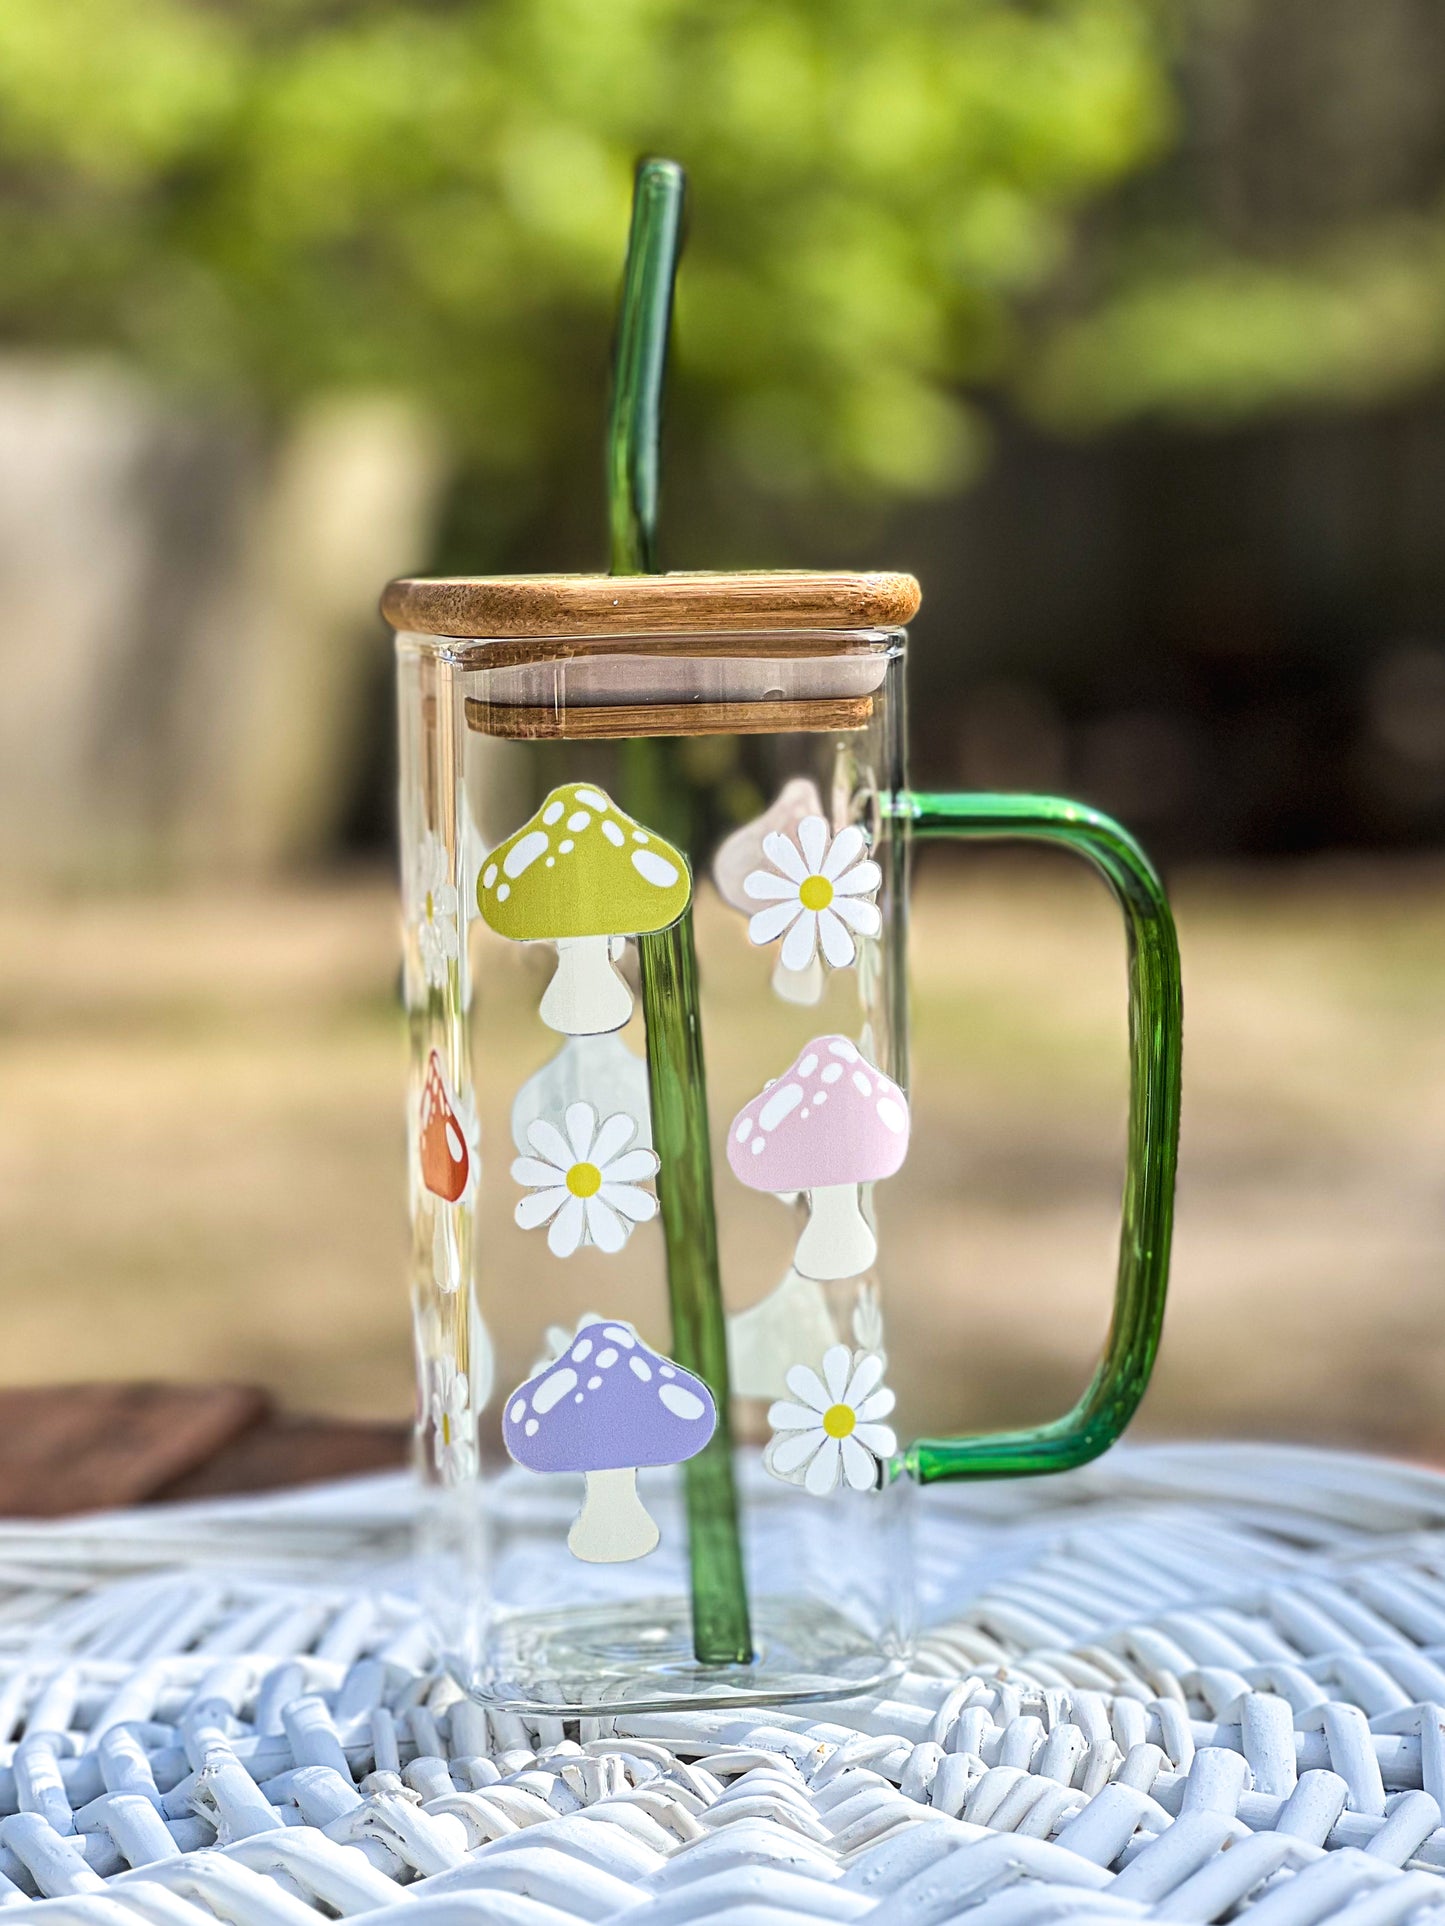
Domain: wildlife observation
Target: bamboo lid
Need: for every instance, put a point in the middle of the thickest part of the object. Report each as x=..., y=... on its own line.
x=575, y=605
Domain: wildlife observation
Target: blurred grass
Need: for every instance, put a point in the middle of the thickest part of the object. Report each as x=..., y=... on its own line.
x=201, y=1168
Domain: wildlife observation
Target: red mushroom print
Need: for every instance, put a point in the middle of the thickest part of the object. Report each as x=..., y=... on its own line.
x=448, y=1164
x=829, y=1124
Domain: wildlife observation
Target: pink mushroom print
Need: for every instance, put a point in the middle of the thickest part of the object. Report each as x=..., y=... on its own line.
x=830, y=1123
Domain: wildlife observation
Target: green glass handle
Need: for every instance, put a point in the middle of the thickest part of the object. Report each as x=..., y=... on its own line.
x=1155, y=1047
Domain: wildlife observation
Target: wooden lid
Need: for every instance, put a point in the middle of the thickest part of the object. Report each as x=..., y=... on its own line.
x=546, y=605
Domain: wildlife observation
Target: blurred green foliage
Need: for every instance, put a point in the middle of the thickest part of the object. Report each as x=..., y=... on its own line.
x=265, y=198
x=1211, y=337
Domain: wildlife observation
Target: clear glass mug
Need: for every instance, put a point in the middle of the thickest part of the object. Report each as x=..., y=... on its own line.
x=655, y=840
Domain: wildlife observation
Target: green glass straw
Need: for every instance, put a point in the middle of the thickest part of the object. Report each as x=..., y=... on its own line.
x=634, y=427
x=677, y=1076
x=721, y=1634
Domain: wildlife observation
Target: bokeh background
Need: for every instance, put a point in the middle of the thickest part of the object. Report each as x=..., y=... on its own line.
x=1120, y=323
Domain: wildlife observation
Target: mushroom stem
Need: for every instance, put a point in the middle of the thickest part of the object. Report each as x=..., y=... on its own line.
x=613, y=1524
x=837, y=1241
x=586, y=997
x=799, y=986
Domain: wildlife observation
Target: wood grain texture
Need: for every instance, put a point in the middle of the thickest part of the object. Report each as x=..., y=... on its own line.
x=617, y=721
x=92, y=1447
x=284, y=1452
x=89, y=1447
x=504, y=606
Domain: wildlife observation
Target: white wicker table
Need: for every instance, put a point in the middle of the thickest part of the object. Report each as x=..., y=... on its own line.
x=1186, y=1684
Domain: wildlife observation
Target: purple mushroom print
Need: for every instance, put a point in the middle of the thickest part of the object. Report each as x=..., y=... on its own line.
x=830, y=1123
x=607, y=1407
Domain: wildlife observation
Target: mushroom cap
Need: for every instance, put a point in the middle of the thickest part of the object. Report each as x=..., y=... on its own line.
x=599, y=1070
x=742, y=852
x=831, y=1118
x=446, y=1156
x=607, y=1404
x=581, y=867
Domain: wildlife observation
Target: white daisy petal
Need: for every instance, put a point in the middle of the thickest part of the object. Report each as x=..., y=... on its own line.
x=614, y=1134
x=848, y=845
x=860, y=881
x=800, y=943
x=768, y=925
x=825, y=1470
x=870, y=1409
x=538, y=1207
x=549, y=1143
x=866, y=918
x=581, y=1122
x=639, y=1205
x=867, y=1377
x=566, y=1232
x=838, y=945
x=535, y=1174
x=859, y=1468
x=880, y=1439
x=764, y=887
x=630, y=1168
x=606, y=1229
x=836, y=1362
x=783, y=1416
x=813, y=841
x=782, y=853
x=444, y=900
x=787, y=1455
x=807, y=1387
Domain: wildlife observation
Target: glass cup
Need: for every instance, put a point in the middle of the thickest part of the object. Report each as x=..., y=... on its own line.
x=655, y=838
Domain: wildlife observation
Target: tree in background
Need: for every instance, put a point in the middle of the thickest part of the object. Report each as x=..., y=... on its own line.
x=277, y=197
x=1289, y=254
x=921, y=232
x=897, y=208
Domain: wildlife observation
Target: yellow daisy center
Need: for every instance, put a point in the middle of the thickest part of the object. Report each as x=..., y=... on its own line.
x=446, y=1427
x=815, y=893
x=584, y=1180
x=430, y=906
x=839, y=1420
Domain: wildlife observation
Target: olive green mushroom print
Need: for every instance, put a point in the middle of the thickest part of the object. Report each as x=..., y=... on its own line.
x=582, y=874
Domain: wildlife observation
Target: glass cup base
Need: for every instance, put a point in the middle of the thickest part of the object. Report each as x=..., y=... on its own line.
x=637, y=1656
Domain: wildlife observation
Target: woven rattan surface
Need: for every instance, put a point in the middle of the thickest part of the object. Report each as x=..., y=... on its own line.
x=1190, y=1684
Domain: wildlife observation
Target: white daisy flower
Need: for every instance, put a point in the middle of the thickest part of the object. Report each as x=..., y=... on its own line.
x=453, y=1439
x=833, y=1434
x=436, y=902
x=558, y=1338
x=586, y=1182
x=821, y=897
